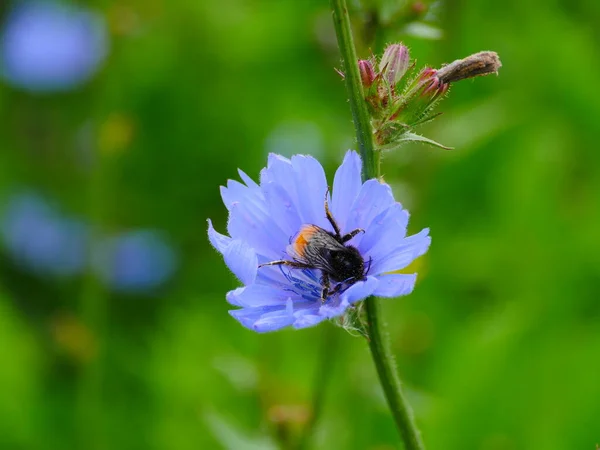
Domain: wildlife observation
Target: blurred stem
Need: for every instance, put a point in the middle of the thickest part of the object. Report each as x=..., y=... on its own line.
x=378, y=340
x=93, y=314
x=327, y=354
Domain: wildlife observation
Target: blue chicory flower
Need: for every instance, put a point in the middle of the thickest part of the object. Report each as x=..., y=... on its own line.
x=135, y=262
x=263, y=220
x=40, y=239
x=51, y=46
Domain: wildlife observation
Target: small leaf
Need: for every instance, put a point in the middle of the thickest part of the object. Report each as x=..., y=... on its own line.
x=412, y=137
x=230, y=437
x=426, y=119
x=423, y=31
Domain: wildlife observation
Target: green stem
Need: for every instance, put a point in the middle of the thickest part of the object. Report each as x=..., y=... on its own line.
x=360, y=114
x=378, y=341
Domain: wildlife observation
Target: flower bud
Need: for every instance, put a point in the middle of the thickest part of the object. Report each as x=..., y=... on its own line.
x=430, y=86
x=367, y=73
x=482, y=63
x=394, y=63
x=425, y=90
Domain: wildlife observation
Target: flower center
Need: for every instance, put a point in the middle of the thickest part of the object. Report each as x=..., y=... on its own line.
x=308, y=285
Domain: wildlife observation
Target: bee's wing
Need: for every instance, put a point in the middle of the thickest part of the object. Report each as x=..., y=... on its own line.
x=300, y=240
x=313, y=245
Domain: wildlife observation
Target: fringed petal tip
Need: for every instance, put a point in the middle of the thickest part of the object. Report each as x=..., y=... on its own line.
x=219, y=241
x=239, y=257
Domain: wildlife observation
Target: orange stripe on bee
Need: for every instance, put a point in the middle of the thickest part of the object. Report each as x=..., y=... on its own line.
x=302, y=238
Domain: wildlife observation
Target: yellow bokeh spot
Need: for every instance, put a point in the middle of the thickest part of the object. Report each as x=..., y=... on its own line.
x=116, y=134
x=73, y=337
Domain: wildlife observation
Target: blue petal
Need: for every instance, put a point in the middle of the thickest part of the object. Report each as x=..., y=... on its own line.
x=266, y=318
x=257, y=228
x=247, y=212
x=311, y=186
x=356, y=292
x=257, y=295
x=241, y=260
x=396, y=284
x=282, y=208
x=279, y=170
x=232, y=296
x=374, y=198
x=219, y=241
x=403, y=254
x=236, y=192
x=308, y=318
x=385, y=231
x=346, y=186
x=294, y=192
x=275, y=320
x=304, y=181
x=331, y=310
x=249, y=181
x=248, y=316
x=359, y=291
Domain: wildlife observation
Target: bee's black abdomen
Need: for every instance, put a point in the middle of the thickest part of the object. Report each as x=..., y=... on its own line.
x=347, y=264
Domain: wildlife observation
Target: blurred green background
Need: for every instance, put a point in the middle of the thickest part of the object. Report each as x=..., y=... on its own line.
x=499, y=345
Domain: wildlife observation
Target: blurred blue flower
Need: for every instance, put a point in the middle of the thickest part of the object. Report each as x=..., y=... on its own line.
x=42, y=241
x=47, y=46
x=137, y=261
x=264, y=218
x=39, y=239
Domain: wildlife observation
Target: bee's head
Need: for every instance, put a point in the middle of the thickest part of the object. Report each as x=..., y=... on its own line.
x=348, y=264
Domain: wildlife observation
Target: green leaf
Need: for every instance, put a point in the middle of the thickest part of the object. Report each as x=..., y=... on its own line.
x=426, y=119
x=412, y=137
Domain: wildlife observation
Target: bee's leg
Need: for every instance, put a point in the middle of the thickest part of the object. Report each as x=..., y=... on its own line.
x=325, y=285
x=336, y=227
x=326, y=292
x=283, y=262
x=336, y=289
x=347, y=237
x=369, y=266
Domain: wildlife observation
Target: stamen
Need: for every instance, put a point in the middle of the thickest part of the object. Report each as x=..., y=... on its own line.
x=311, y=290
x=306, y=290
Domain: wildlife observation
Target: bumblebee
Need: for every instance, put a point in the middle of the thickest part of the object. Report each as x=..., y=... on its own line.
x=316, y=248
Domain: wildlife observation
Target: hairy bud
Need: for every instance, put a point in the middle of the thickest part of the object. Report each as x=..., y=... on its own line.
x=422, y=94
x=367, y=73
x=482, y=63
x=394, y=63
